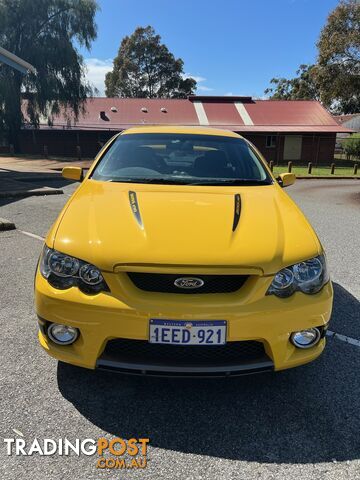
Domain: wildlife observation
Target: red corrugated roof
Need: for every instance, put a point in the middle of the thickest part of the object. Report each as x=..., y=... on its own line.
x=129, y=111
x=289, y=112
x=259, y=115
x=220, y=113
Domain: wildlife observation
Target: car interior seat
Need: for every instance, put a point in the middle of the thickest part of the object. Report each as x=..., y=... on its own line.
x=212, y=164
x=143, y=157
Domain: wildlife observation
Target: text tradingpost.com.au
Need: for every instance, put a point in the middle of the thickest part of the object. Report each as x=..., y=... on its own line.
x=114, y=453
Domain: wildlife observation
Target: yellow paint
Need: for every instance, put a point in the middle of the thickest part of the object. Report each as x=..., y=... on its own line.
x=186, y=230
x=72, y=173
x=287, y=179
x=180, y=130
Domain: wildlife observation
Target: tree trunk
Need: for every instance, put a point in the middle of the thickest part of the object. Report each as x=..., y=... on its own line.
x=12, y=109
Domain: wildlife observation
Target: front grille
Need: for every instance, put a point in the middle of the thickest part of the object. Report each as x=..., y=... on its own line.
x=140, y=351
x=164, y=283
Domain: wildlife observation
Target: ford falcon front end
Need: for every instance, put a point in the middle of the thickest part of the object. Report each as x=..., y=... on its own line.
x=181, y=254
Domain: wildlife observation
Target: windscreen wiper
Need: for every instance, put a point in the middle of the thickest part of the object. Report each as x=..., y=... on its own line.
x=155, y=180
x=233, y=181
x=210, y=182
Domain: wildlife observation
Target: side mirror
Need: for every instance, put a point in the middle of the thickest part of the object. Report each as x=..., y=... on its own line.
x=286, y=179
x=73, y=173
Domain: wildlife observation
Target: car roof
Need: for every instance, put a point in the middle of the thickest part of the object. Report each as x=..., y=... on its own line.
x=178, y=129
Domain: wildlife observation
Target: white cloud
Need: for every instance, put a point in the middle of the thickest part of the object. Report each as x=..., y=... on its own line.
x=232, y=94
x=203, y=88
x=199, y=79
x=195, y=77
x=253, y=95
x=96, y=69
x=260, y=97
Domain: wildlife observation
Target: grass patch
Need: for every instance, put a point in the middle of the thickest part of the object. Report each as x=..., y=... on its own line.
x=322, y=171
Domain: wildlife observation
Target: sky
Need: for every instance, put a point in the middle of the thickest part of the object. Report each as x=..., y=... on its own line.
x=231, y=47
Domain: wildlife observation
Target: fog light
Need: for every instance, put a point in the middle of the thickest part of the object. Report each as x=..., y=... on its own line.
x=62, y=334
x=305, y=338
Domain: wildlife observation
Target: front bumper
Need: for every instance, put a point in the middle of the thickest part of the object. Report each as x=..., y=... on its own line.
x=251, y=316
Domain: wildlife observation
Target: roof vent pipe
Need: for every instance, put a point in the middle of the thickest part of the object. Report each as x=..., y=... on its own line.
x=113, y=109
x=163, y=109
x=103, y=116
x=144, y=109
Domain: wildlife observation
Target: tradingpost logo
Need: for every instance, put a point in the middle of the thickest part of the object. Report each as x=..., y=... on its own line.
x=111, y=454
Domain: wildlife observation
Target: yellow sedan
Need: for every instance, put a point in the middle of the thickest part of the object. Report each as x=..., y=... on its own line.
x=181, y=254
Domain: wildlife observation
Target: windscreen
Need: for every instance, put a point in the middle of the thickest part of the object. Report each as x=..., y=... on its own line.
x=181, y=159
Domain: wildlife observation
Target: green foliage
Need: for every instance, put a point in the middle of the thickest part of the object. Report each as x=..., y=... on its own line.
x=302, y=87
x=144, y=67
x=351, y=145
x=44, y=33
x=338, y=69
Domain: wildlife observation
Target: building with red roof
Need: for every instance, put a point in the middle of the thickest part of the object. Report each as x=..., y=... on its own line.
x=283, y=130
x=351, y=121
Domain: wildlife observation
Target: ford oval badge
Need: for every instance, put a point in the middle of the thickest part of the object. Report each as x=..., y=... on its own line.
x=189, y=282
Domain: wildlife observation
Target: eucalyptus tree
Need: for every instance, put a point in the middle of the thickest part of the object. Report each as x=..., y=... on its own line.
x=144, y=67
x=47, y=34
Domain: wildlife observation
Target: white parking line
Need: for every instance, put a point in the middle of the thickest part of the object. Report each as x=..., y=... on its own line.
x=32, y=235
x=343, y=338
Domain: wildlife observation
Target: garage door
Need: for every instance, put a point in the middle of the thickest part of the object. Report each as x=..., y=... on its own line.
x=292, y=147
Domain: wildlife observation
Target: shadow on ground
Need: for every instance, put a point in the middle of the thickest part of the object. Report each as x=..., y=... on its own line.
x=15, y=185
x=305, y=415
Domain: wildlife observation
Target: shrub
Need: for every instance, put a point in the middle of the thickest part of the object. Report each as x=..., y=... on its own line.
x=352, y=145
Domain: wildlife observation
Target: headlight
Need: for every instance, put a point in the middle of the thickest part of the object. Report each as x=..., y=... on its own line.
x=308, y=277
x=63, y=265
x=90, y=274
x=63, y=271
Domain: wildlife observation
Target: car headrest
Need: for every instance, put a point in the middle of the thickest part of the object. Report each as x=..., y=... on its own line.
x=143, y=157
x=212, y=163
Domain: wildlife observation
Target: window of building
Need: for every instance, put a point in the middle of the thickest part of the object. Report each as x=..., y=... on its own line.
x=270, y=141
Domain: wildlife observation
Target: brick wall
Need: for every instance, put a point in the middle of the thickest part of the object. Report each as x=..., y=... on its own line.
x=270, y=153
x=316, y=148
x=63, y=142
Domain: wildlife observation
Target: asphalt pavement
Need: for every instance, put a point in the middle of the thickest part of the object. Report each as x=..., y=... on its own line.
x=297, y=424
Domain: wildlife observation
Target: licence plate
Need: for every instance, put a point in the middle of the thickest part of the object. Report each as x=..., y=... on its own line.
x=197, y=332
